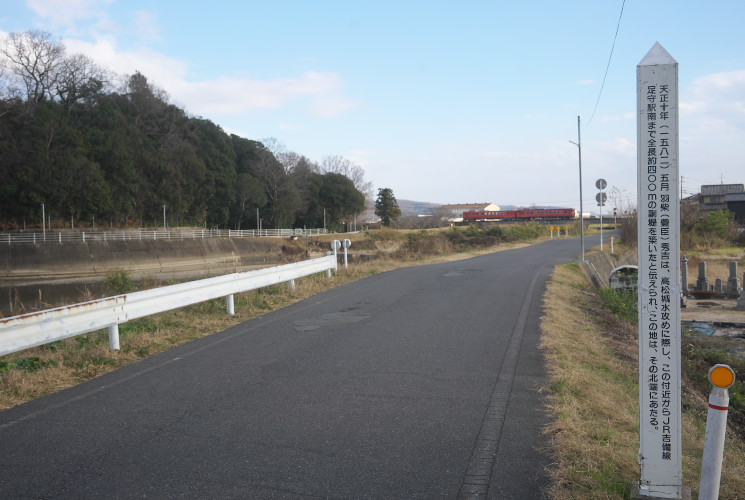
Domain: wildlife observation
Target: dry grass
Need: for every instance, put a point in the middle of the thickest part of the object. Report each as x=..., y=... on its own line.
x=717, y=265
x=594, y=434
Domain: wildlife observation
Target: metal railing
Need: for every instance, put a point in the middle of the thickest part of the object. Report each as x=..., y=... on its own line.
x=30, y=330
x=177, y=234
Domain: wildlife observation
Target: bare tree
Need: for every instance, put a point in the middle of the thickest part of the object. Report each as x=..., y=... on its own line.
x=340, y=165
x=289, y=160
x=35, y=59
x=281, y=194
x=620, y=200
x=80, y=79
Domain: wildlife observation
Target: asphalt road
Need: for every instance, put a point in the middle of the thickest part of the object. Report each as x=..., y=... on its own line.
x=418, y=383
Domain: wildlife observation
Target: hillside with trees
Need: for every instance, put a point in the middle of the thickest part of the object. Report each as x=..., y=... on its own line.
x=98, y=148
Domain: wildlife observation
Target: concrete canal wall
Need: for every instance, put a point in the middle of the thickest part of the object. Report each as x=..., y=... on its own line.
x=27, y=262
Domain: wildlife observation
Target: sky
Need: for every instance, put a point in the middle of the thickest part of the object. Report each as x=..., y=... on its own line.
x=442, y=101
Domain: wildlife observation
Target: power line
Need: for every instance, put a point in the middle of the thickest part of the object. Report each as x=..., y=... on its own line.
x=700, y=180
x=608, y=65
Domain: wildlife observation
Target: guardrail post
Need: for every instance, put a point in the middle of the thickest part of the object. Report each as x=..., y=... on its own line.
x=292, y=285
x=231, y=304
x=114, y=337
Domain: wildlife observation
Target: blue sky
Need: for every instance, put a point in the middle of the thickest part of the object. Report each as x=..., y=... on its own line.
x=442, y=101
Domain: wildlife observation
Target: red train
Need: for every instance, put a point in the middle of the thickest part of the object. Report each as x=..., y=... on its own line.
x=529, y=214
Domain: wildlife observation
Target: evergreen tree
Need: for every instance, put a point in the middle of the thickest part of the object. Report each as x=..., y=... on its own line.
x=386, y=206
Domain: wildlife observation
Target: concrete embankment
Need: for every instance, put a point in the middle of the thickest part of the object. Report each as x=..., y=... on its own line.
x=598, y=266
x=24, y=263
x=37, y=276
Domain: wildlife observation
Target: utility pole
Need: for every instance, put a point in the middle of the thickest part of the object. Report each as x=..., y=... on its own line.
x=581, y=209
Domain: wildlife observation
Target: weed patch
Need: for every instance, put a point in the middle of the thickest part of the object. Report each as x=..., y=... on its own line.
x=622, y=302
x=594, y=399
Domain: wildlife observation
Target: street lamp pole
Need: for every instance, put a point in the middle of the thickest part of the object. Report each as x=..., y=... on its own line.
x=581, y=209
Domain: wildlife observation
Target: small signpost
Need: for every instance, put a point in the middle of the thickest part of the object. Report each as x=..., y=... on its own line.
x=601, y=198
x=346, y=244
x=660, y=441
x=552, y=232
x=335, y=246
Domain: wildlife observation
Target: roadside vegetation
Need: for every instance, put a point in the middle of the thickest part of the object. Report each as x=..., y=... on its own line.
x=591, y=342
x=592, y=355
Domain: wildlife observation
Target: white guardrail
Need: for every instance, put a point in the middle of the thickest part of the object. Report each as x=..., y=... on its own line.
x=177, y=234
x=34, y=329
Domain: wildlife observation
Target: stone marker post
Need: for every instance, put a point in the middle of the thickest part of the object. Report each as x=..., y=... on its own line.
x=741, y=301
x=702, y=283
x=684, y=276
x=733, y=283
x=660, y=441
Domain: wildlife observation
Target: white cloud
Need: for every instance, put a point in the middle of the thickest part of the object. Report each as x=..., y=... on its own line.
x=158, y=68
x=236, y=96
x=361, y=157
x=716, y=102
x=322, y=92
x=319, y=94
x=66, y=13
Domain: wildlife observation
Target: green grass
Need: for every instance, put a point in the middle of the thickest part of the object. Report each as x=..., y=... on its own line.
x=621, y=302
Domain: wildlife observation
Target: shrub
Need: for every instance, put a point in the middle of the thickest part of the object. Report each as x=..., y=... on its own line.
x=525, y=231
x=719, y=223
x=119, y=282
x=622, y=302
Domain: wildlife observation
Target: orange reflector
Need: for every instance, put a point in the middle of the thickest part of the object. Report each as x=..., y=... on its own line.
x=722, y=376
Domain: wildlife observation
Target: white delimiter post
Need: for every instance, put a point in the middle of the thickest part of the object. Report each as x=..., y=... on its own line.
x=659, y=276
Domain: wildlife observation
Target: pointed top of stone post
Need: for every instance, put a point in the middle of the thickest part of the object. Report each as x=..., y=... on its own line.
x=657, y=55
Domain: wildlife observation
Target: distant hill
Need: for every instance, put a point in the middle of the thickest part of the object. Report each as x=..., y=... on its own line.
x=409, y=207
